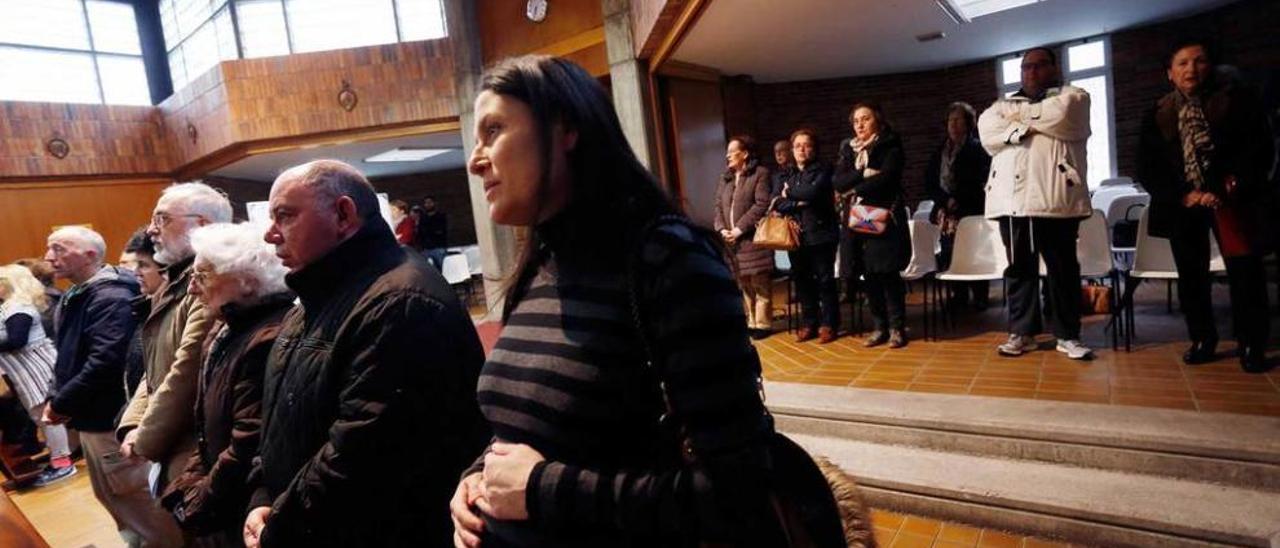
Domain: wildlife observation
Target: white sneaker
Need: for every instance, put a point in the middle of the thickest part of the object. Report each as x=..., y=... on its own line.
x=1074, y=349
x=1016, y=345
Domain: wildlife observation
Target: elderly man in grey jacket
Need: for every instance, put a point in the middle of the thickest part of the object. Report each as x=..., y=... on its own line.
x=1037, y=193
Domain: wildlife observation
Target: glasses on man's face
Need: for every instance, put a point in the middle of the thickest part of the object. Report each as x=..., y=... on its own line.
x=161, y=220
x=201, y=277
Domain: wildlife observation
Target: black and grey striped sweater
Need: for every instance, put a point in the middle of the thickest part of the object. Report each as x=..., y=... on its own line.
x=567, y=377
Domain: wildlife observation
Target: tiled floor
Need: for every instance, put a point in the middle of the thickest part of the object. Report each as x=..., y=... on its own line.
x=894, y=530
x=964, y=361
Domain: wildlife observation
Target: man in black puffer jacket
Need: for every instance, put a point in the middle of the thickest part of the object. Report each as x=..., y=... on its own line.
x=369, y=405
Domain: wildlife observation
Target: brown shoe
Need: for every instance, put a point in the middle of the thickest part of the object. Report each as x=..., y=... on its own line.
x=805, y=334
x=897, y=338
x=826, y=335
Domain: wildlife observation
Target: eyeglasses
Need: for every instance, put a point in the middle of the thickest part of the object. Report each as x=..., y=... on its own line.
x=161, y=220
x=201, y=277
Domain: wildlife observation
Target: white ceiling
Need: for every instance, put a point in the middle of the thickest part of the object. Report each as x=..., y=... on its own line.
x=780, y=41
x=265, y=167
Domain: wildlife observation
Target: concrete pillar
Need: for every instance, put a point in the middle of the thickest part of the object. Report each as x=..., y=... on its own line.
x=497, y=243
x=630, y=80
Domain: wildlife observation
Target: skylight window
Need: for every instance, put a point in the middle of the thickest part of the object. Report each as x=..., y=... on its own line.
x=406, y=154
x=968, y=10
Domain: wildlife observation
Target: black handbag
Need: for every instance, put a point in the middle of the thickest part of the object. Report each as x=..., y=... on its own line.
x=801, y=496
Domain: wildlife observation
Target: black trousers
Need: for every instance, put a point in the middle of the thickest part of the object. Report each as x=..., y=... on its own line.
x=887, y=297
x=1246, y=277
x=961, y=290
x=814, y=268
x=1027, y=240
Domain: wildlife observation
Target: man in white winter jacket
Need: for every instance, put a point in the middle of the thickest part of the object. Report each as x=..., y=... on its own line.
x=1038, y=194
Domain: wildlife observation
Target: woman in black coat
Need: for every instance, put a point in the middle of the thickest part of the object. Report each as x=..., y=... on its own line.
x=956, y=180
x=870, y=169
x=807, y=194
x=1204, y=158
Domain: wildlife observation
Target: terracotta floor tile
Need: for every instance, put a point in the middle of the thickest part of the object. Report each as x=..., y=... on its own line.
x=938, y=378
x=1071, y=396
x=1243, y=408
x=887, y=519
x=840, y=380
x=905, y=540
x=989, y=382
x=921, y=526
x=1238, y=397
x=938, y=388
x=997, y=539
x=1256, y=386
x=1132, y=391
x=960, y=534
x=1078, y=386
x=884, y=536
x=1025, y=393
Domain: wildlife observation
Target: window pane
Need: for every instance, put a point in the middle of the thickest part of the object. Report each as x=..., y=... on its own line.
x=226, y=34
x=170, y=25
x=262, y=32
x=124, y=80
x=1099, y=147
x=1086, y=56
x=200, y=51
x=52, y=23
x=333, y=24
x=47, y=76
x=177, y=69
x=114, y=27
x=1011, y=71
x=190, y=14
x=421, y=19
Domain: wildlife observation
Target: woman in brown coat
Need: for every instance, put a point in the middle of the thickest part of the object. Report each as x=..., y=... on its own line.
x=741, y=200
x=240, y=281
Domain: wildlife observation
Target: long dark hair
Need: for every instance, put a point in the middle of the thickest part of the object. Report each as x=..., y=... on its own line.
x=611, y=194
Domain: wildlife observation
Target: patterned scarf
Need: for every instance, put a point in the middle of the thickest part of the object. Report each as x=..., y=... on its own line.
x=862, y=150
x=945, y=175
x=1197, y=147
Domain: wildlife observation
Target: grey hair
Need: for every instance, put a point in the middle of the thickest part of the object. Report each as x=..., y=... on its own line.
x=86, y=239
x=200, y=199
x=332, y=179
x=239, y=250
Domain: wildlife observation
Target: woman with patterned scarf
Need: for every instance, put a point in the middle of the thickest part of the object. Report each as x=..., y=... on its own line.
x=1204, y=156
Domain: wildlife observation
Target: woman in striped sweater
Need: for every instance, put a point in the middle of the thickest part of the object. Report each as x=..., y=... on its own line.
x=579, y=457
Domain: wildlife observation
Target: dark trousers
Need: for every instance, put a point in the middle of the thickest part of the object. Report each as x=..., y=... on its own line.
x=887, y=297
x=1027, y=240
x=1245, y=275
x=960, y=290
x=814, y=268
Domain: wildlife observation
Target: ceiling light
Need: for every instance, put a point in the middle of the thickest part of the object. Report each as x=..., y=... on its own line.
x=968, y=10
x=407, y=154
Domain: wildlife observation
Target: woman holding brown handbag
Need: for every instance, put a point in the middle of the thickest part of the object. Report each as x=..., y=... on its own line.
x=869, y=172
x=1204, y=158
x=741, y=201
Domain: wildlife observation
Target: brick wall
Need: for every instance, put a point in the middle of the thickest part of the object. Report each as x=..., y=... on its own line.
x=915, y=103
x=449, y=188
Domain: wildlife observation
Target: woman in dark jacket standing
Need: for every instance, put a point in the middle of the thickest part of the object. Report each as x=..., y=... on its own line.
x=241, y=282
x=956, y=180
x=741, y=200
x=808, y=195
x=1204, y=158
x=870, y=169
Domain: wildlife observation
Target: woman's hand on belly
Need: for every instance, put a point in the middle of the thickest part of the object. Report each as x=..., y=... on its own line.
x=506, y=478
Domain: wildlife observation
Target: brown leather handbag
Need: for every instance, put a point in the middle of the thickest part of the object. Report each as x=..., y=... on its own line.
x=776, y=231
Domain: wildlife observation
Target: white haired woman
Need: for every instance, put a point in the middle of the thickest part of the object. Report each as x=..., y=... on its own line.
x=27, y=356
x=239, y=279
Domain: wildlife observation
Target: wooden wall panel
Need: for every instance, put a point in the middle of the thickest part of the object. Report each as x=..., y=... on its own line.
x=115, y=208
x=114, y=139
x=506, y=32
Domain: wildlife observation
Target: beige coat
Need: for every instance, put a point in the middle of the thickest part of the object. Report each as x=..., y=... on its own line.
x=162, y=409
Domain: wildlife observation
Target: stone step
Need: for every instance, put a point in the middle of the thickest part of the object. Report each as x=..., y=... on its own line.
x=1089, y=506
x=1222, y=448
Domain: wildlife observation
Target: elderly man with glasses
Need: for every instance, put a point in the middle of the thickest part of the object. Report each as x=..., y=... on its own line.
x=157, y=424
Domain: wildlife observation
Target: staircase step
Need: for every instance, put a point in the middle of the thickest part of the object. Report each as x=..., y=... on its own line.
x=1078, y=504
x=1214, y=447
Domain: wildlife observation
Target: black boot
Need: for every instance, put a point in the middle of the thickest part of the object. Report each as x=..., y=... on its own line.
x=1200, y=352
x=1253, y=359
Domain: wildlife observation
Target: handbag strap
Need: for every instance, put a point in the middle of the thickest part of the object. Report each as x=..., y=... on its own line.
x=687, y=450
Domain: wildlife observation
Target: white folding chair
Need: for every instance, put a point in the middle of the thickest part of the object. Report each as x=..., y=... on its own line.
x=472, y=253
x=979, y=253
x=782, y=266
x=923, y=210
x=1124, y=208
x=923, y=265
x=1153, y=260
x=456, y=271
